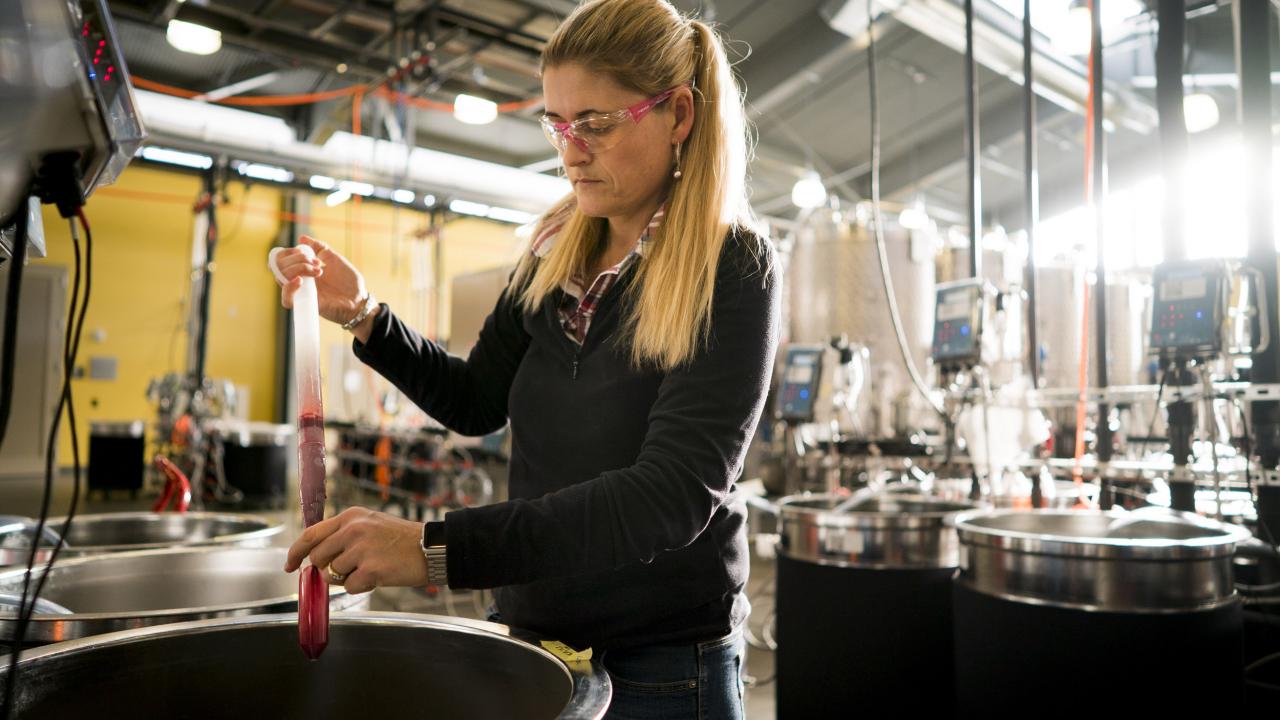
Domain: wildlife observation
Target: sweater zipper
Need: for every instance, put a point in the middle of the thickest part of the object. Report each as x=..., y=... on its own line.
x=575, y=362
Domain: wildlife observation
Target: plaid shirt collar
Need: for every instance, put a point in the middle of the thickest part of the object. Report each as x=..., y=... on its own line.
x=579, y=304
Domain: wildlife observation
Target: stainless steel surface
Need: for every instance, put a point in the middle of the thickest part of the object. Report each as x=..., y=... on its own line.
x=1149, y=560
x=123, y=591
x=888, y=530
x=118, y=428
x=119, y=532
x=377, y=665
x=246, y=433
x=835, y=288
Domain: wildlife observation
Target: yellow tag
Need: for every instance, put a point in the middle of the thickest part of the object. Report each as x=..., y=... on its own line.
x=566, y=653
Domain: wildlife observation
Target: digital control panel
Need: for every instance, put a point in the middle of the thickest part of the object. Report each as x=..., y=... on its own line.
x=109, y=80
x=1188, y=309
x=957, y=324
x=798, y=392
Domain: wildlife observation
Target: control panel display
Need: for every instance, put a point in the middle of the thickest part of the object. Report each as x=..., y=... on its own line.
x=799, y=391
x=957, y=326
x=1187, y=316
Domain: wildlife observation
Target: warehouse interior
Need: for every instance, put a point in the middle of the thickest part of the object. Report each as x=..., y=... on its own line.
x=1020, y=423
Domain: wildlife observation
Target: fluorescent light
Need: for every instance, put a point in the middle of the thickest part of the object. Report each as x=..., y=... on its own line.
x=809, y=192
x=1200, y=111
x=192, y=38
x=404, y=196
x=429, y=200
x=323, y=182
x=519, y=217
x=382, y=193
x=265, y=172
x=337, y=197
x=466, y=207
x=473, y=110
x=177, y=157
x=362, y=189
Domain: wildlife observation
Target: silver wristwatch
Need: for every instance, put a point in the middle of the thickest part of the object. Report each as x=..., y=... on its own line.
x=437, y=565
x=367, y=304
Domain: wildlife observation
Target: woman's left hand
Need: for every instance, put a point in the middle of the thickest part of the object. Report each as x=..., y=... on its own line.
x=371, y=549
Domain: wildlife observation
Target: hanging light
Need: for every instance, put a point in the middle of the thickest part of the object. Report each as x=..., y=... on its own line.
x=1201, y=112
x=193, y=38
x=473, y=110
x=914, y=217
x=809, y=192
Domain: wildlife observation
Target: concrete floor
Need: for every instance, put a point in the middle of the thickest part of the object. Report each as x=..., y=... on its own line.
x=23, y=497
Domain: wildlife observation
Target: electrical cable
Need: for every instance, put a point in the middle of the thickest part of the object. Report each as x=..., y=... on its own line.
x=71, y=345
x=882, y=254
x=13, y=295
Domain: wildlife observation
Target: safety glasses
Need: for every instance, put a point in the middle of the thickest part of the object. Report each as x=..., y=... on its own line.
x=600, y=131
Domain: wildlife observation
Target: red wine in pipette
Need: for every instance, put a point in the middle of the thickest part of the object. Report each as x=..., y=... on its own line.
x=313, y=590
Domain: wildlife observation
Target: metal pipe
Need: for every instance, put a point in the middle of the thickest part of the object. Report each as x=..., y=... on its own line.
x=1253, y=63
x=971, y=145
x=1097, y=193
x=1170, y=39
x=1031, y=190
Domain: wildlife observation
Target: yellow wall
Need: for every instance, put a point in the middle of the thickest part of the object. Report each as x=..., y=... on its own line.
x=142, y=243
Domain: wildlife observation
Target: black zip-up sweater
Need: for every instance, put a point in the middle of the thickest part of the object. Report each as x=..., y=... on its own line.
x=623, y=528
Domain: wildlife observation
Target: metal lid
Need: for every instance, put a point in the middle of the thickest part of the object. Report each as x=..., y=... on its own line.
x=1149, y=533
x=1148, y=561
x=117, y=428
x=871, y=529
x=246, y=433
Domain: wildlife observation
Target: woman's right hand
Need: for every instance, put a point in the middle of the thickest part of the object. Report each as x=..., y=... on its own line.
x=339, y=285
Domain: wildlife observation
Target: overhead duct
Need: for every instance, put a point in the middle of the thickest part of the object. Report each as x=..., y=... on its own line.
x=998, y=47
x=250, y=136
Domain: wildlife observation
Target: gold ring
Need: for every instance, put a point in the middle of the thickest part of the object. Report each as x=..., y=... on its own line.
x=334, y=576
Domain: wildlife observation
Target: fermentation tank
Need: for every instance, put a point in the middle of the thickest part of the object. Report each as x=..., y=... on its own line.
x=835, y=288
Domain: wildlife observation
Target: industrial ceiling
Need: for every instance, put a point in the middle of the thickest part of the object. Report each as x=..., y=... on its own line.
x=806, y=82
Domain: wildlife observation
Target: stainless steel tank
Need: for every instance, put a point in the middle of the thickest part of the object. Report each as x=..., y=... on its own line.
x=1144, y=598
x=377, y=665
x=123, y=591
x=1058, y=325
x=119, y=532
x=864, y=604
x=835, y=288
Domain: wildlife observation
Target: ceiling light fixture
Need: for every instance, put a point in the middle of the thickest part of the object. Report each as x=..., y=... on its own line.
x=1200, y=111
x=337, y=197
x=914, y=217
x=323, y=182
x=404, y=196
x=177, y=157
x=193, y=38
x=473, y=110
x=809, y=192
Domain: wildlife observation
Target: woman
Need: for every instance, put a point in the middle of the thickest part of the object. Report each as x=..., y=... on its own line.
x=631, y=353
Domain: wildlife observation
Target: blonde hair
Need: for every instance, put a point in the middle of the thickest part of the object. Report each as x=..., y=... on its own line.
x=647, y=46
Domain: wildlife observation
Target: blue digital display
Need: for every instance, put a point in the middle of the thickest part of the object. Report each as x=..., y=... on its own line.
x=957, y=327
x=799, y=388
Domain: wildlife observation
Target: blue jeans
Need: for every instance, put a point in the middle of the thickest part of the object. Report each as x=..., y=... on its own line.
x=691, y=681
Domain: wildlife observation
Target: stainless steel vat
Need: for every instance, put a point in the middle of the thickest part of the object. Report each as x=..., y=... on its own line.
x=119, y=532
x=883, y=530
x=1145, y=561
x=835, y=288
x=377, y=665
x=864, y=605
x=130, y=590
x=1144, y=599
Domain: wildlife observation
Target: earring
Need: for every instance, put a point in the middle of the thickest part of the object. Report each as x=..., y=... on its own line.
x=677, y=174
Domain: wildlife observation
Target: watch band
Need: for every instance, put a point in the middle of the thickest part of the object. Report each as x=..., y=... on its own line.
x=367, y=304
x=435, y=551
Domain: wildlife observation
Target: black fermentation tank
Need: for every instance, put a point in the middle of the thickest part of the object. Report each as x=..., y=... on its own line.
x=1137, y=611
x=864, y=605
